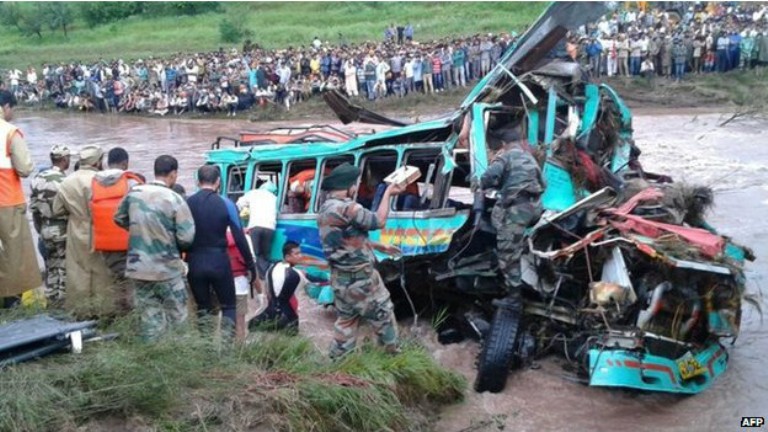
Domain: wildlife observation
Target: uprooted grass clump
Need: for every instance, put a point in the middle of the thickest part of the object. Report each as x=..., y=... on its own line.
x=190, y=382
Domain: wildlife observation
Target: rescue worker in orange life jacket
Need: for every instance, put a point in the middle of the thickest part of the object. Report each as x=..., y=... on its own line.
x=109, y=188
x=19, y=271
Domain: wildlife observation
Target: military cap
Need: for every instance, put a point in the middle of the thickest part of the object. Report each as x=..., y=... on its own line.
x=90, y=154
x=342, y=177
x=60, y=150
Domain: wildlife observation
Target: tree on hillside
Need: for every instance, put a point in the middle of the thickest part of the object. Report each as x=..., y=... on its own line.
x=233, y=28
x=32, y=20
x=95, y=13
x=59, y=16
x=173, y=8
x=10, y=15
x=29, y=19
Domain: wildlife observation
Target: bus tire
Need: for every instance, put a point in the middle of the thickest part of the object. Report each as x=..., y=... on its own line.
x=497, y=352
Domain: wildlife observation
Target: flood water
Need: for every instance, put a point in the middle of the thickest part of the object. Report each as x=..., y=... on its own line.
x=733, y=159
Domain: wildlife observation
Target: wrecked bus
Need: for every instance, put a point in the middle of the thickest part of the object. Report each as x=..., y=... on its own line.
x=624, y=276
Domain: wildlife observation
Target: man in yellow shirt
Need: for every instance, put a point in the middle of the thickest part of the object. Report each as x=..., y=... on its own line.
x=314, y=65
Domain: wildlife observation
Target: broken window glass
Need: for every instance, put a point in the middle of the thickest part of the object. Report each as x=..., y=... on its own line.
x=299, y=187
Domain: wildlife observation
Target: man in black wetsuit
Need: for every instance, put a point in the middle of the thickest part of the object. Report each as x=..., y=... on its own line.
x=209, y=267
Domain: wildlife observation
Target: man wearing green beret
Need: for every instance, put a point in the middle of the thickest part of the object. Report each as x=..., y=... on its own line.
x=358, y=289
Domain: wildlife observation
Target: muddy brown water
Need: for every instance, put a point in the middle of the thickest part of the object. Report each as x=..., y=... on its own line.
x=693, y=148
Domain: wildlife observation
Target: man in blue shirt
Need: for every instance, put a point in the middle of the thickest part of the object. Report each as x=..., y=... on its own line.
x=734, y=48
x=325, y=65
x=408, y=32
x=209, y=266
x=594, y=48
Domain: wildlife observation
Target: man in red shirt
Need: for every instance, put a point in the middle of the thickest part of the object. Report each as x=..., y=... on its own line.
x=242, y=286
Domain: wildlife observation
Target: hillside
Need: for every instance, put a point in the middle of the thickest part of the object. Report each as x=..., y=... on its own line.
x=274, y=25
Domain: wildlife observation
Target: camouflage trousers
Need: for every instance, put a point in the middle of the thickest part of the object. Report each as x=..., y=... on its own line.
x=361, y=295
x=510, y=224
x=123, y=286
x=161, y=304
x=55, y=272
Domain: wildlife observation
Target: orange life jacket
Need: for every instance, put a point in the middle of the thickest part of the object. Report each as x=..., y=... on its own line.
x=11, y=193
x=107, y=236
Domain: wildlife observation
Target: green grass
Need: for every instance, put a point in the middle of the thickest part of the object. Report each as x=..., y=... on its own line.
x=275, y=25
x=189, y=382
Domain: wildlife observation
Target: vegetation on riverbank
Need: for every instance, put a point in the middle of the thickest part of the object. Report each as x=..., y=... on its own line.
x=189, y=382
x=273, y=25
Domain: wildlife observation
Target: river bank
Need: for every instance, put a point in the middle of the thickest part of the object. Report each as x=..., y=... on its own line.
x=698, y=94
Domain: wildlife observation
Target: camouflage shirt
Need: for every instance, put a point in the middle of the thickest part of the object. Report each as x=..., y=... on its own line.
x=160, y=225
x=44, y=186
x=344, y=226
x=512, y=172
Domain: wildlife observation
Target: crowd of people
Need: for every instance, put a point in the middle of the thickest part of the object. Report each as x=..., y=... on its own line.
x=699, y=38
x=649, y=41
x=232, y=81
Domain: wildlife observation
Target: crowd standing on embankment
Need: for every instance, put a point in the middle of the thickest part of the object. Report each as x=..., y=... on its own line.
x=699, y=38
x=636, y=40
x=232, y=81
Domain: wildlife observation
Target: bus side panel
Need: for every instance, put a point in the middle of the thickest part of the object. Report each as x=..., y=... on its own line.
x=414, y=236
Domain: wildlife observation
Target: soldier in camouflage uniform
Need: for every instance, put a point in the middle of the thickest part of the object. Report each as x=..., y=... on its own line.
x=515, y=175
x=160, y=224
x=52, y=231
x=357, y=286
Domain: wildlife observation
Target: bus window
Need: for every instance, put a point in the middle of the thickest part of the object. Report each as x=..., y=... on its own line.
x=454, y=189
x=298, y=188
x=267, y=172
x=235, y=182
x=375, y=166
x=418, y=194
x=328, y=165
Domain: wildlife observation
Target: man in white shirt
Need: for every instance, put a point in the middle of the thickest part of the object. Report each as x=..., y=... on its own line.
x=644, y=45
x=630, y=17
x=14, y=75
x=381, y=76
x=603, y=26
x=192, y=71
x=31, y=76
x=610, y=54
x=261, y=205
x=408, y=72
